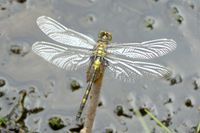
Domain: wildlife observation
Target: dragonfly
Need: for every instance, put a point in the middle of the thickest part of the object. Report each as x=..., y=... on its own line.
x=76, y=50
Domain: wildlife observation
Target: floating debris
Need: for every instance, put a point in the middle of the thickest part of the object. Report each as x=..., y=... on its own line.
x=2, y=94
x=100, y=104
x=168, y=121
x=189, y=103
x=2, y=82
x=3, y=121
x=119, y=111
x=177, y=79
x=75, y=85
x=56, y=123
x=76, y=129
x=16, y=49
x=91, y=18
x=168, y=101
x=149, y=23
x=142, y=111
x=178, y=17
x=109, y=130
x=196, y=84
x=3, y=8
x=21, y=1
x=19, y=49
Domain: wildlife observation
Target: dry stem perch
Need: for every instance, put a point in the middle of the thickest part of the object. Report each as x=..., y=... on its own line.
x=94, y=99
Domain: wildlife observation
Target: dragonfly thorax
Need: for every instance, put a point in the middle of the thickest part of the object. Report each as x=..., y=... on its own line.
x=100, y=49
x=103, y=39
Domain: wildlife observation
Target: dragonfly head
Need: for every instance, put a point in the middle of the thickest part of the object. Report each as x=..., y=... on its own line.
x=105, y=36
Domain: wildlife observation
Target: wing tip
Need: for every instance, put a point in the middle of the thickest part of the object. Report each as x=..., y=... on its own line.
x=42, y=18
x=167, y=75
x=34, y=46
x=37, y=44
x=173, y=43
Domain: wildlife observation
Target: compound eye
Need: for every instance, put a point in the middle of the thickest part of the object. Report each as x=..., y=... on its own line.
x=101, y=34
x=105, y=35
x=109, y=36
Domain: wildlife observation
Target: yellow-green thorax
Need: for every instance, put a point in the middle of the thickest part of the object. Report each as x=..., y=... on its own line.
x=103, y=39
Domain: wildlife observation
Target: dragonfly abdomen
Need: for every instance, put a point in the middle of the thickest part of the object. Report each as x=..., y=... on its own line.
x=86, y=94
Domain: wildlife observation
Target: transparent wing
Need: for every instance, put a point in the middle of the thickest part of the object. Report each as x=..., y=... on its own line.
x=63, y=57
x=64, y=35
x=144, y=50
x=127, y=70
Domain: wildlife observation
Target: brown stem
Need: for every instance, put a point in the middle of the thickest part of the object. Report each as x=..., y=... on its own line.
x=93, y=102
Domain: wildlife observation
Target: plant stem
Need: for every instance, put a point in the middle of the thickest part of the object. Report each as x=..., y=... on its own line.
x=93, y=103
x=158, y=121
